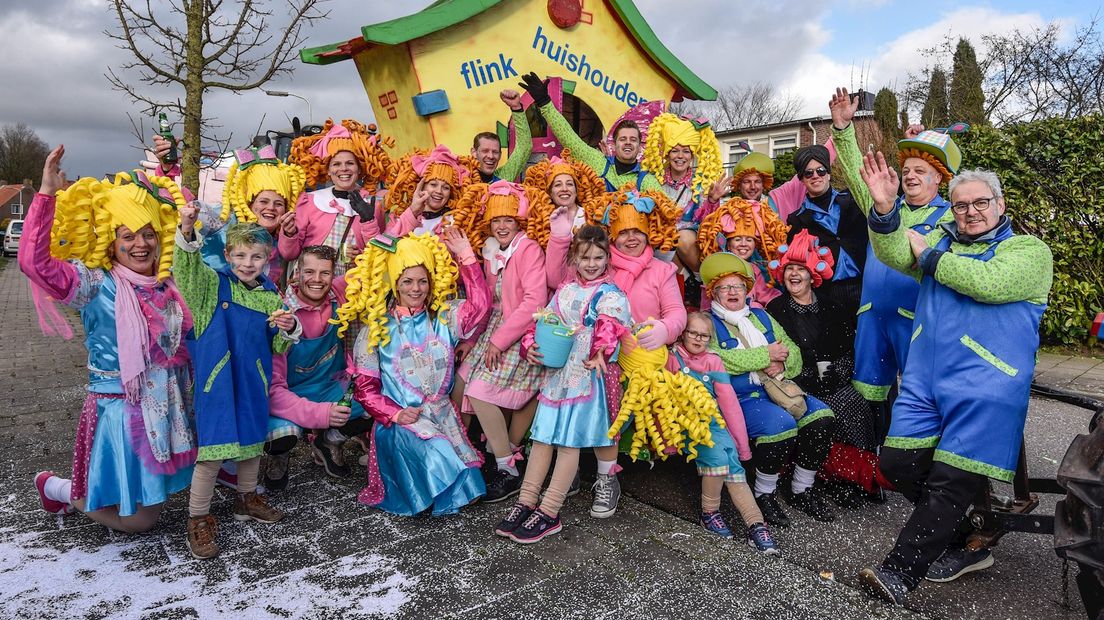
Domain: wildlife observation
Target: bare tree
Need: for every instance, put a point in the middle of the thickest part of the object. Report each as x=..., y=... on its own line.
x=201, y=45
x=743, y=106
x=22, y=154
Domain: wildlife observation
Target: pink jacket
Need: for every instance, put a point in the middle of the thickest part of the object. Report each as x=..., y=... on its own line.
x=314, y=224
x=654, y=293
x=727, y=400
x=522, y=293
x=283, y=403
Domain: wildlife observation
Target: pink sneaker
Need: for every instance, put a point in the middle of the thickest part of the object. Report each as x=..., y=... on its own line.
x=50, y=505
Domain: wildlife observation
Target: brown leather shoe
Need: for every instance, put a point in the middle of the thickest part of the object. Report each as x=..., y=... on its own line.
x=201, y=537
x=249, y=506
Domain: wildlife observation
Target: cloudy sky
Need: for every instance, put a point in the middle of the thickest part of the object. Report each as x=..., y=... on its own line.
x=55, y=54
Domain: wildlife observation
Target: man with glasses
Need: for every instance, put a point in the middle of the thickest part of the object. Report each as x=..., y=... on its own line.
x=960, y=416
x=836, y=221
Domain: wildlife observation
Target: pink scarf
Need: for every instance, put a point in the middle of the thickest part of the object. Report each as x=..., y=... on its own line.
x=136, y=328
x=627, y=268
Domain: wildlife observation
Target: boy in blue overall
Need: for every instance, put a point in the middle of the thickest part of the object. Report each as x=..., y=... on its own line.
x=960, y=416
x=238, y=324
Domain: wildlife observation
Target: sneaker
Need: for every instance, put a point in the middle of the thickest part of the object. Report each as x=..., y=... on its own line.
x=253, y=507
x=573, y=490
x=956, y=562
x=883, y=584
x=607, y=492
x=772, y=510
x=813, y=504
x=50, y=505
x=715, y=523
x=330, y=456
x=201, y=537
x=276, y=474
x=535, y=528
x=230, y=481
x=515, y=516
x=502, y=486
x=760, y=539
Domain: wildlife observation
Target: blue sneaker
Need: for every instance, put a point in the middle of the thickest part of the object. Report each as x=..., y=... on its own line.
x=536, y=528
x=760, y=539
x=714, y=522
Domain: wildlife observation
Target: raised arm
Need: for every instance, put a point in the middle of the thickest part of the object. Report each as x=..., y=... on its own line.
x=523, y=138
x=197, y=282
x=850, y=155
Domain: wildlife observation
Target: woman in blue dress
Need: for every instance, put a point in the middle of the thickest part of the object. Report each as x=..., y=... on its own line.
x=404, y=291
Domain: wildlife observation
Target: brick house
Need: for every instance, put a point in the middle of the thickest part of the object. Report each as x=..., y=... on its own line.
x=14, y=199
x=778, y=138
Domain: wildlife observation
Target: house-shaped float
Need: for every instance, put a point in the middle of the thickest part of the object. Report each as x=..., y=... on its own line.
x=434, y=77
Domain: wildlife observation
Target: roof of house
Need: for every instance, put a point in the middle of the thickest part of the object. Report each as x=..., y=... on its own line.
x=446, y=13
x=8, y=193
x=859, y=116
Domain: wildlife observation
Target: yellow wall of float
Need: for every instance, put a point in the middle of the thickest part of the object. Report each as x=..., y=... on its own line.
x=506, y=34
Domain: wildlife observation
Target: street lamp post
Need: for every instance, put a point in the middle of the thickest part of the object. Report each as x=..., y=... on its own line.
x=284, y=93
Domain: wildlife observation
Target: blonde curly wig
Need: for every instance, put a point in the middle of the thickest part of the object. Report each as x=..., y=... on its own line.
x=400, y=193
x=613, y=212
x=739, y=216
x=371, y=289
x=669, y=130
x=477, y=207
x=242, y=187
x=89, y=212
x=375, y=164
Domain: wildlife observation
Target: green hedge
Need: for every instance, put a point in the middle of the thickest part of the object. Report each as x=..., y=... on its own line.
x=1052, y=172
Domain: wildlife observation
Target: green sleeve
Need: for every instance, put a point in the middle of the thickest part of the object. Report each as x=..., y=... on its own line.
x=739, y=361
x=651, y=182
x=523, y=146
x=894, y=249
x=197, y=282
x=566, y=135
x=850, y=157
x=793, y=361
x=1022, y=269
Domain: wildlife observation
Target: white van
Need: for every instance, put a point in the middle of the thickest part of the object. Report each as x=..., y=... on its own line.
x=11, y=237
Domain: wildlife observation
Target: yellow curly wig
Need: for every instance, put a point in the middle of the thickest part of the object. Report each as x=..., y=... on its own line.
x=904, y=154
x=661, y=222
x=669, y=130
x=400, y=193
x=371, y=284
x=90, y=210
x=375, y=163
x=475, y=209
x=768, y=230
x=242, y=186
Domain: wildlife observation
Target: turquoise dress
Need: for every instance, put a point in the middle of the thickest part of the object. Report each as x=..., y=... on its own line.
x=572, y=408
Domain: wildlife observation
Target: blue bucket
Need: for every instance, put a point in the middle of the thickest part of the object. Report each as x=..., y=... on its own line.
x=555, y=342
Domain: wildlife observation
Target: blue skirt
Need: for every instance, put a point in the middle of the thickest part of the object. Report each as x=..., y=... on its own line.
x=116, y=475
x=419, y=473
x=581, y=423
x=722, y=459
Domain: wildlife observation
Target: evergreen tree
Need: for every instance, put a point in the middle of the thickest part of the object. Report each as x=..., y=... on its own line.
x=967, y=102
x=885, y=116
x=935, y=112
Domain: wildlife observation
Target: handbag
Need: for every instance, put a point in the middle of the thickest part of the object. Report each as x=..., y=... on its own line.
x=782, y=392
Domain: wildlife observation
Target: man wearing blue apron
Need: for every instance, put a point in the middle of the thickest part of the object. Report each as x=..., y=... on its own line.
x=960, y=416
x=310, y=380
x=888, y=302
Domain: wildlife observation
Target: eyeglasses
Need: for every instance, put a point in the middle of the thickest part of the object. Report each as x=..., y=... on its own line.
x=701, y=336
x=729, y=288
x=979, y=205
x=808, y=174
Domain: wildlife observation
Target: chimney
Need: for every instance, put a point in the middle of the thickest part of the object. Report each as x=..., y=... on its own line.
x=28, y=182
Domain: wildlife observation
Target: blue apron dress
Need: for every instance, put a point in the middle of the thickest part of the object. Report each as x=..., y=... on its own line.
x=766, y=421
x=315, y=371
x=885, y=316
x=722, y=459
x=967, y=383
x=233, y=366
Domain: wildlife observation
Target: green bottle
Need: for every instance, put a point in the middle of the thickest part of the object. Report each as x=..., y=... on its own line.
x=347, y=397
x=165, y=131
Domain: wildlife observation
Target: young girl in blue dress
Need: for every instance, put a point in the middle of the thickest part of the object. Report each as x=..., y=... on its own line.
x=574, y=409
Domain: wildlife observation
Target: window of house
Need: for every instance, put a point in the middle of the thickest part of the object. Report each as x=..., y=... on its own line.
x=17, y=210
x=782, y=144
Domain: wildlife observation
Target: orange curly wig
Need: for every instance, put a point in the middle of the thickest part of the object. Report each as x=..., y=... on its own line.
x=614, y=212
x=588, y=184
x=375, y=163
x=405, y=180
x=477, y=207
x=743, y=218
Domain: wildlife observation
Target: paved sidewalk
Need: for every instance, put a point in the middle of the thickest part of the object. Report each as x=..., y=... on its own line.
x=335, y=558
x=1084, y=375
